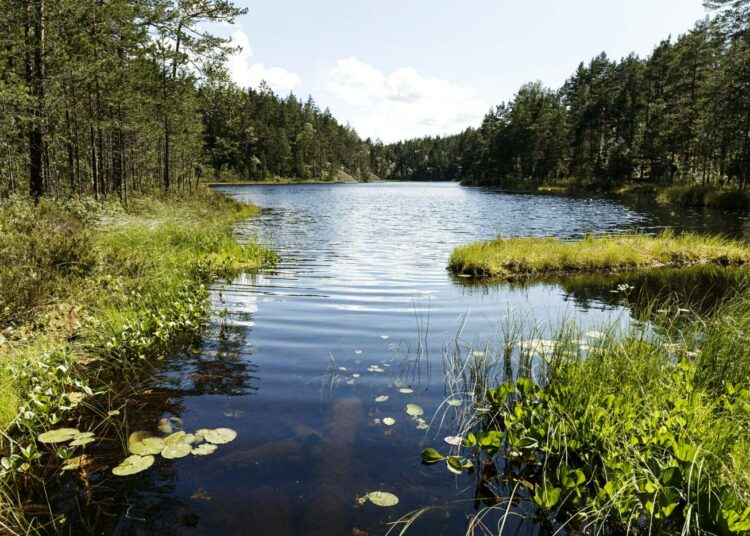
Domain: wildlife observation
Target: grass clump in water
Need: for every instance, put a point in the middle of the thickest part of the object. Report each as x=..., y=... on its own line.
x=510, y=258
x=698, y=195
x=637, y=432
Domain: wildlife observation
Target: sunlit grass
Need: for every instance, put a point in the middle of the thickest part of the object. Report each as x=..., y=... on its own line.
x=101, y=286
x=518, y=257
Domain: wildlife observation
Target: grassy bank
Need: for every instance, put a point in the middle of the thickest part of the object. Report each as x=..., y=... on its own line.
x=637, y=432
x=521, y=257
x=98, y=285
x=697, y=195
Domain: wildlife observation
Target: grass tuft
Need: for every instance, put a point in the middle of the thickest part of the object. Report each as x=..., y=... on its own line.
x=509, y=258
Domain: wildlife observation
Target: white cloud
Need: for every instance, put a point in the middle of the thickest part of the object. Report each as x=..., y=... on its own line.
x=247, y=73
x=403, y=104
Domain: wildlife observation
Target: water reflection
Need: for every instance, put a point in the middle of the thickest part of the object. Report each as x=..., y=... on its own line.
x=362, y=292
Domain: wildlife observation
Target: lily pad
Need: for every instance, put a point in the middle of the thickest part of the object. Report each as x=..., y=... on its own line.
x=381, y=398
x=165, y=426
x=380, y=498
x=454, y=402
x=454, y=440
x=406, y=391
x=389, y=421
x=82, y=439
x=133, y=464
x=147, y=445
x=385, y=337
x=76, y=463
x=172, y=451
x=204, y=450
x=61, y=435
x=219, y=436
x=414, y=410
x=179, y=438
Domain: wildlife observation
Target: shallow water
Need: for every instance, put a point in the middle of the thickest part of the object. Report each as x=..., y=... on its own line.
x=362, y=282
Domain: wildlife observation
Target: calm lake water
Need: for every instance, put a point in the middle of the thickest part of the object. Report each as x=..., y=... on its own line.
x=362, y=283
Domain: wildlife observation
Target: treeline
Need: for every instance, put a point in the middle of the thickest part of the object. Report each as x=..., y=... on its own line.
x=254, y=134
x=681, y=114
x=105, y=97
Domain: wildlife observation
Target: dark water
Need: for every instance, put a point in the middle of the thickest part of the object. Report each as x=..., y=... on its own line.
x=362, y=282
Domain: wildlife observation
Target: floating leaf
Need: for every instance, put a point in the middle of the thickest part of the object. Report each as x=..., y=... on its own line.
x=355, y=375
x=454, y=402
x=61, y=435
x=219, y=436
x=165, y=426
x=204, y=450
x=380, y=498
x=358, y=352
x=431, y=456
x=422, y=426
x=147, y=445
x=454, y=440
x=414, y=410
x=133, y=464
x=381, y=398
x=179, y=438
x=76, y=463
x=389, y=421
x=172, y=451
x=406, y=390
x=454, y=465
x=75, y=398
x=82, y=440
x=200, y=495
x=385, y=337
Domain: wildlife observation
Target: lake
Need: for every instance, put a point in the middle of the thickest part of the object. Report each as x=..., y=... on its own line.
x=360, y=306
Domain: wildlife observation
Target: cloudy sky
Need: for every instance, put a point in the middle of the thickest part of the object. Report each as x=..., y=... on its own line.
x=397, y=69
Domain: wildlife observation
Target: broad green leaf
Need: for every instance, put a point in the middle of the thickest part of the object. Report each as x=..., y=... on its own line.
x=454, y=464
x=431, y=456
x=61, y=435
x=133, y=464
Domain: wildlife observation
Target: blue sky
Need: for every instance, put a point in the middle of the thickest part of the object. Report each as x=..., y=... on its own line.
x=399, y=69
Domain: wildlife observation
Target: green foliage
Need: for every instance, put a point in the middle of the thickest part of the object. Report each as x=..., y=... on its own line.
x=635, y=433
x=677, y=116
x=518, y=257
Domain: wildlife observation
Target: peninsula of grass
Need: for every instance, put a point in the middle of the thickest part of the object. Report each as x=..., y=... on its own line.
x=511, y=258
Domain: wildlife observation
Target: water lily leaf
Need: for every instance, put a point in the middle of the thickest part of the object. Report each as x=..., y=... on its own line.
x=380, y=498
x=454, y=402
x=355, y=375
x=381, y=398
x=414, y=410
x=204, y=450
x=422, y=426
x=389, y=421
x=81, y=441
x=75, y=398
x=200, y=495
x=165, y=426
x=61, y=435
x=385, y=337
x=179, y=437
x=76, y=463
x=172, y=451
x=406, y=390
x=358, y=352
x=133, y=464
x=454, y=440
x=219, y=436
x=147, y=445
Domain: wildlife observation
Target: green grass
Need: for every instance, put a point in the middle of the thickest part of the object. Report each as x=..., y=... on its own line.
x=698, y=195
x=101, y=286
x=641, y=431
x=510, y=258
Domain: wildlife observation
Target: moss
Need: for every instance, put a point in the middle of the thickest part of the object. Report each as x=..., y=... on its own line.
x=518, y=257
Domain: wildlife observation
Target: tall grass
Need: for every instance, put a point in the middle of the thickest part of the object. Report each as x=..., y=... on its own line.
x=88, y=287
x=522, y=257
x=698, y=195
x=643, y=430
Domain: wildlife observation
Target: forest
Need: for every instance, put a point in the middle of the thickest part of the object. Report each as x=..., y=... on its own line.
x=108, y=97
x=681, y=114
